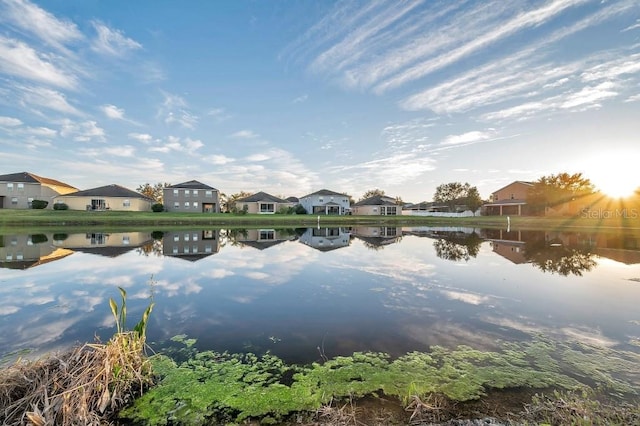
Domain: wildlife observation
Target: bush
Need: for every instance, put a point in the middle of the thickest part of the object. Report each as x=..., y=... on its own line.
x=157, y=207
x=39, y=238
x=157, y=235
x=39, y=204
x=60, y=237
x=298, y=209
x=60, y=206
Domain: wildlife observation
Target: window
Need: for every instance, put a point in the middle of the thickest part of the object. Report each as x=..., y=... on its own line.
x=321, y=200
x=176, y=237
x=174, y=250
x=187, y=193
x=186, y=204
x=195, y=204
x=14, y=201
x=194, y=237
x=175, y=192
x=512, y=197
x=185, y=250
x=21, y=186
x=186, y=237
x=267, y=208
x=125, y=240
x=176, y=204
x=126, y=203
x=194, y=249
x=267, y=234
x=208, y=194
x=207, y=248
x=10, y=186
x=29, y=201
x=195, y=192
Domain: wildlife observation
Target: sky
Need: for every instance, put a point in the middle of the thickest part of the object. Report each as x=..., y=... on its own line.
x=293, y=96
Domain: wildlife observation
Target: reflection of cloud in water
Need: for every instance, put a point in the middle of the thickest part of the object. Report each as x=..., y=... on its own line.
x=8, y=310
x=171, y=289
x=219, y=273
x=580, y=334
x=470, y=298
x=257, y=276
x=450, y=334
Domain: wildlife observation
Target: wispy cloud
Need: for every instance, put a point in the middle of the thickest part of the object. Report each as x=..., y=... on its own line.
x=9, y=122
x=112, y=42
x=244, y=134
x=141, y=137
x=465, y=138
x=32, y=19
x=37, y=97
x=20, y=60
x=174, y=109
x=85, y=131
x=126, y=151
x=300, y=99
x=174, y=143
x=112, y=112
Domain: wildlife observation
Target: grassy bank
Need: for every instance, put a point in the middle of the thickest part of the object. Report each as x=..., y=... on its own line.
x=50, y=220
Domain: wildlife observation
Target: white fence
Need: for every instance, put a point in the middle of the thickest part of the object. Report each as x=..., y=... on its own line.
x=467, y=213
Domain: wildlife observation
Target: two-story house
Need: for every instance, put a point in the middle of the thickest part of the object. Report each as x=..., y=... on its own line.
x=192, y=196
x=508, y=200
x=326, y=202
x=18, y=190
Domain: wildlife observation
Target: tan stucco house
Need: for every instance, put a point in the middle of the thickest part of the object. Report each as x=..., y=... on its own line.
x=508, y=200
x=262, y=203
x=109, y=197
x=18, y=190
x=376, y=205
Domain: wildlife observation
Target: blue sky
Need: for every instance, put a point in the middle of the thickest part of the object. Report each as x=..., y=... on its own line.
x=290, y=97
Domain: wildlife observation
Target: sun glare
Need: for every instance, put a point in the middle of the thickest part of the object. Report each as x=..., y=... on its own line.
x=615, y=173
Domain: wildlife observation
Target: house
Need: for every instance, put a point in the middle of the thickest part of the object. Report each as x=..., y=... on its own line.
x=326, y=202
x=262, y=203
x=377, y=205
x=377, y=236
x=107, y=244
x=192, y=196
x=109, y=197
x=18, y=190
x=508, y=200
x=264, y=238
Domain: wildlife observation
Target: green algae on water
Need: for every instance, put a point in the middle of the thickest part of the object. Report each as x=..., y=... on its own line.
x=224, y=388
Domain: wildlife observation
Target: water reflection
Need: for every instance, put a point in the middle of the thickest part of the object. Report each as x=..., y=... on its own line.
x=291, y=290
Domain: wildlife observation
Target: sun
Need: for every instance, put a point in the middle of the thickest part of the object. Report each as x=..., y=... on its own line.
x=615, y=173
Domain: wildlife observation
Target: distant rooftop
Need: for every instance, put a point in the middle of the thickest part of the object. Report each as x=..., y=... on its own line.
x=27, y=177
x=192, y=184
x=112, y=190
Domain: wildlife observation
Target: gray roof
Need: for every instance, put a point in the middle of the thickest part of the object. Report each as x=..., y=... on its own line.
x=261, y=196
x=292, y=199
x=325, y=192
x=192, y=184
x=376, y=200
x=108, y=191
x=27, y=177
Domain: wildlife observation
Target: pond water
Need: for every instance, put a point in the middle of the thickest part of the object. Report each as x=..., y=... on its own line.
x=307, y=294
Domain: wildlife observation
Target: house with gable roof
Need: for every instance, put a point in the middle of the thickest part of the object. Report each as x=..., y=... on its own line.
x=262, y=203
x=18, y=190
x=326, y=202
x=377, y=205
x=108, y=197
x=508, y=200
x=191, y=196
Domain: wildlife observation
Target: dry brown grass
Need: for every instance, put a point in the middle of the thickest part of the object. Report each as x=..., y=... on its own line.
x=86, y=385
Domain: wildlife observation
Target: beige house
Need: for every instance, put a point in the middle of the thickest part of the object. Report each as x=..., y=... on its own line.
x=262, y=203
x=18, y=190
x=508, y=200
x=110, y=197
x=377, y=205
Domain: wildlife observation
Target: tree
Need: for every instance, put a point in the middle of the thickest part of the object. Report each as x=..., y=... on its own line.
x=549, y=191
x=229, y=203
x=153, y=191
x=455, y=193
x=372, y=193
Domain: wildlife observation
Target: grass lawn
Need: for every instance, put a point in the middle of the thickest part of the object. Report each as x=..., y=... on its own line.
x=12, y=220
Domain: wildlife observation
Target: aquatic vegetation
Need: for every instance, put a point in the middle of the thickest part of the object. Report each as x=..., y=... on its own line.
x=86, y=385
x=212, y=387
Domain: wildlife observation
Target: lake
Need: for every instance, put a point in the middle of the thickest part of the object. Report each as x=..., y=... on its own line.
x=311, y=294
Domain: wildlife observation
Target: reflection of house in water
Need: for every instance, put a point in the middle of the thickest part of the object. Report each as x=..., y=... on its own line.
x=26, y=251
x=110, y=244
x=511, y=244
x=191, y=245
x=325, y=239
x=377, y=236
x=264, y=238
x=622, y=247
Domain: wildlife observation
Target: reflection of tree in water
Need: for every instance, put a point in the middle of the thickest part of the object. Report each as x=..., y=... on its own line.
x=151, y=248
x=457, y=246
x=558, y=259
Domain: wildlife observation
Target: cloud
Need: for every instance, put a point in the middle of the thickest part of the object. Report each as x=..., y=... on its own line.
x=465, y=138
x=300, y=99
x=141, y=137
x=20, y=60
x=47, y=98
x=244, y=134
x=257, y=157
x=112, y=42
x=174, y=109
x=174, y=143
x=86, y=131
x=218, y=160
x=219, y=114
x=590, y=95
x=117, y=151
x=9, y=122
x=112, y=112
x=31, y=18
